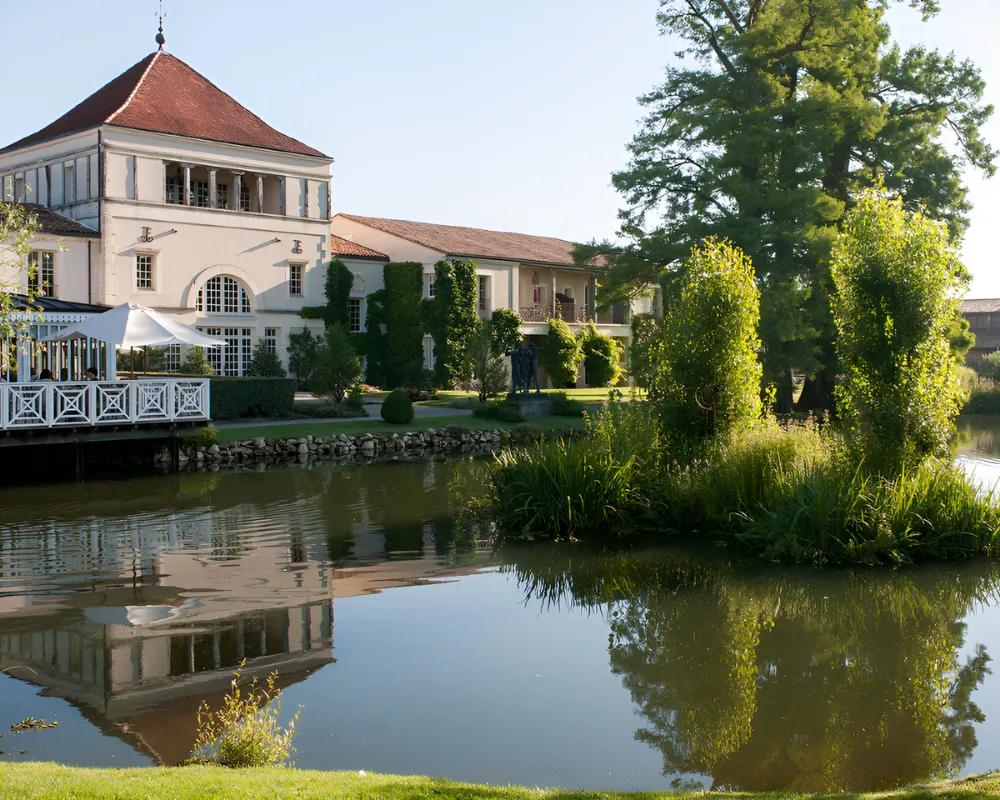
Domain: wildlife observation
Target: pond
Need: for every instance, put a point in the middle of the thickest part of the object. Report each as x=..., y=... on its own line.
x=411, y=647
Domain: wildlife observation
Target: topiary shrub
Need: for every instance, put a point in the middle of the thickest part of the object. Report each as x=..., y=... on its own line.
x=232, y=398
x=602, y=363
x=561, y=355
x=397, y=408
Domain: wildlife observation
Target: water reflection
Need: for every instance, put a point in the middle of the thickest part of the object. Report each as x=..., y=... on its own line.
x=135, y=600
x=804, y=680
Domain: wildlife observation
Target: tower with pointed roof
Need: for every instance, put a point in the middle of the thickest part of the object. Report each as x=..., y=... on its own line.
x=201, y=208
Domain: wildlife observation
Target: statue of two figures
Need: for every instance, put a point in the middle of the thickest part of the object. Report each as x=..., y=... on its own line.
x=523, y=370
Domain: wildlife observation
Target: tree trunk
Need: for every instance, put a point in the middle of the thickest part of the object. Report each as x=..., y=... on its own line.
x=817, y=394
x=783, y=396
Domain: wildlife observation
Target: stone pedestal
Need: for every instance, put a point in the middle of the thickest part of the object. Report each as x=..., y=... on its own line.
x=532, y=405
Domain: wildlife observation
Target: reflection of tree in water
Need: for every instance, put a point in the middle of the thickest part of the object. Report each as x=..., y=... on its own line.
x=804, y=680
x=409, y=504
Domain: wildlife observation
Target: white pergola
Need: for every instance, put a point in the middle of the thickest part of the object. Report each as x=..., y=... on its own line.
x=131, y=325
x=109, y=401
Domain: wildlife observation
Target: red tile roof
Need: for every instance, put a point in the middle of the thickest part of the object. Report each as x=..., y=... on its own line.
x=453, y=240
x=163, y=94
x=56, y=224
x=345, y=247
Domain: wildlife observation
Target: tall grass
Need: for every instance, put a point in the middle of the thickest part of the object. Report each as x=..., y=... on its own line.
x=791, y=493
x=840, y=514
x=596, y=486
x=563, y=490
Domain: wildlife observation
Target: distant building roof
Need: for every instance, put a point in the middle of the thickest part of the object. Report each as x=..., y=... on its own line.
x=454, y=240
x=164, y=95
x=58, y=225
x=987, y=305
x=345, y=247
x=20, y=301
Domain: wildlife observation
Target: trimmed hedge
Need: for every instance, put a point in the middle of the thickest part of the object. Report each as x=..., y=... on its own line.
x=233, y=398
x=397, y=408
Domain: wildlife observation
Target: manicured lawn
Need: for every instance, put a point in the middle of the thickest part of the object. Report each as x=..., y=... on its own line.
x=459, y=399
x=376, y=425
x=38, y=781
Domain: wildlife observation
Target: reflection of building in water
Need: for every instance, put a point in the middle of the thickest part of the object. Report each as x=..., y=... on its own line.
x=164, y=609
x=135, y=672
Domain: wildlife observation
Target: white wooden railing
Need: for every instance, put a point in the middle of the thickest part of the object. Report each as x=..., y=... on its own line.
x=48, y=404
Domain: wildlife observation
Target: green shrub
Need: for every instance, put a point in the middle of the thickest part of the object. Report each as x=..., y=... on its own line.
x=339, y=282
x=233, y=398
x=896, y=278
x=453, y=320
x=206, y=437
x=562, y=406
x=989, y=366
x=303, y=347
x=562, y=490
x=264, y=363
x=328, y=410
x=404, y=323
x=397, y=407
x=505, y=326
x=338, y=368
x=984, y=399
x=245, y=731
x=709, y=376
x=601, y=358
x=196, y=362
x=561, y=355
x=503, y=410
x=646, y=353
x=356, y=398
x=489, y=368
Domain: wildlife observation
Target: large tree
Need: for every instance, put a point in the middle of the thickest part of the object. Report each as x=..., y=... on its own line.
x=778, y=113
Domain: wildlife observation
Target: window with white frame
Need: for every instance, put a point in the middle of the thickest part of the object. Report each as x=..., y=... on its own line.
x=144, y=271
x=234, y=358
x=244, y=195
x=270, y=340
x=222, y=195
x=485, y=292
x=172, y=358
x=429, y=286
x=223, y=294
x=295, y=272
x=200, y=191
x=41, y=272
x=354, y=314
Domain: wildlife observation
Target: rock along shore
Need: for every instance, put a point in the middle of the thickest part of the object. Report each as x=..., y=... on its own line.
x=277, y=451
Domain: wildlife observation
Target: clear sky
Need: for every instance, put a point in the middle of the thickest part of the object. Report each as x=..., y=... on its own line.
x=501, y=115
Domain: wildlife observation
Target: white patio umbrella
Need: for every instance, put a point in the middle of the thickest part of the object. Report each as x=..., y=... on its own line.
x=132, y=325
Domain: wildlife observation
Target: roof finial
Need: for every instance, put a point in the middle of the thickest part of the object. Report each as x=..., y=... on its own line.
x=160, y=38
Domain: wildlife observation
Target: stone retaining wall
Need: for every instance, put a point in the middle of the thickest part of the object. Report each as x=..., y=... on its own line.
x=343, y=447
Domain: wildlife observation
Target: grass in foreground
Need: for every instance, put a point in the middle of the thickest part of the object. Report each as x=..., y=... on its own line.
x=376, y=425
x=41, y=781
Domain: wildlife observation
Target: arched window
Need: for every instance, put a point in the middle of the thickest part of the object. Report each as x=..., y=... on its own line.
x=223, y=295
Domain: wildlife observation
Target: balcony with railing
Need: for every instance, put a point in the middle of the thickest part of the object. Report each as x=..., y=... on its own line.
x=575, y=313
x=72, y=404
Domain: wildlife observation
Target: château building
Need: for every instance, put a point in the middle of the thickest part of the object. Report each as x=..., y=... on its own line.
x=162, y=189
